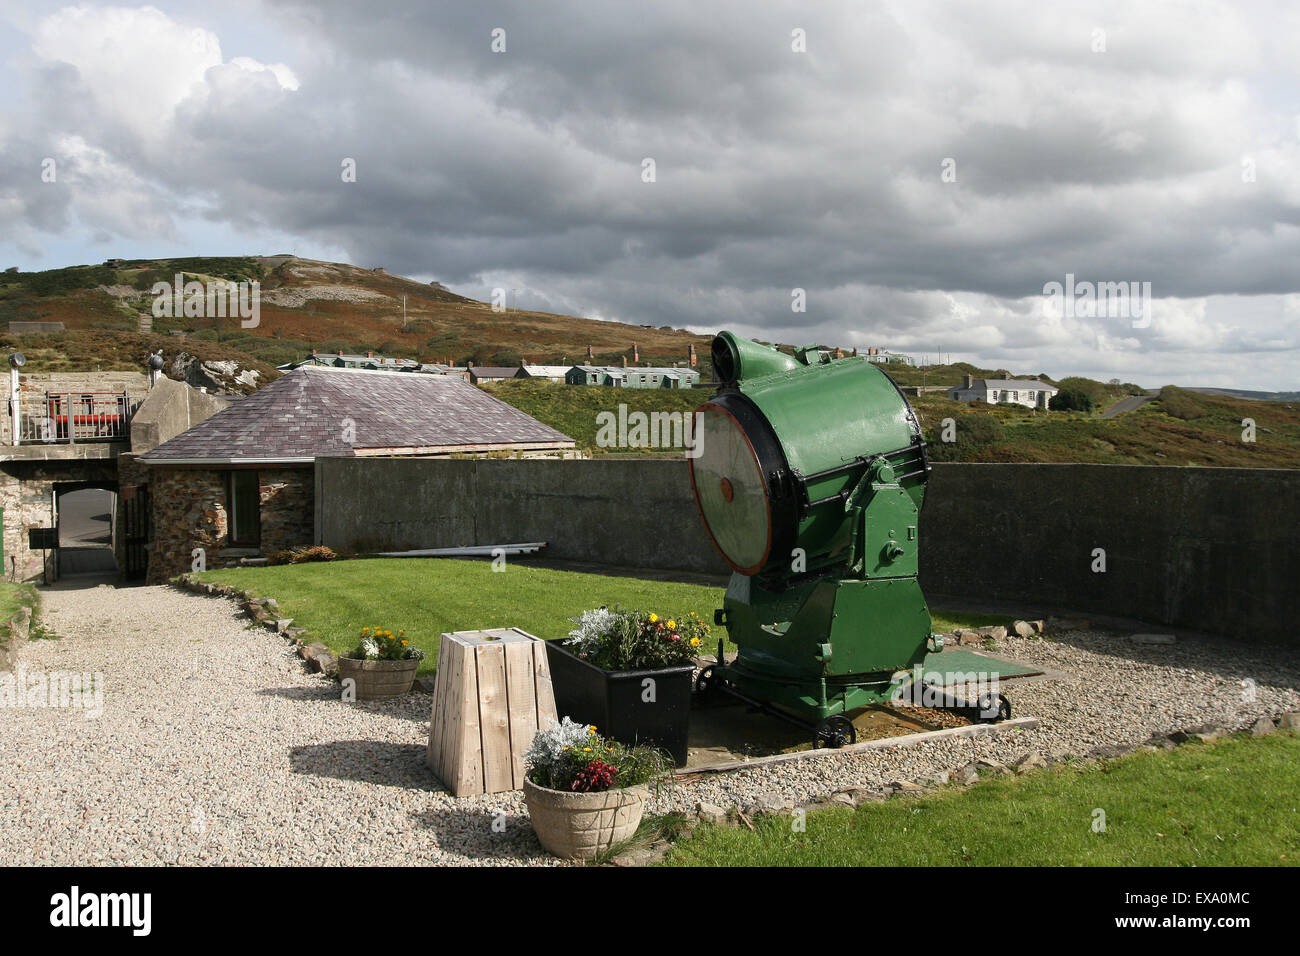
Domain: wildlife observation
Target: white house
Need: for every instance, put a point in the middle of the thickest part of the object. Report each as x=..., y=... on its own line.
x=1029, y=392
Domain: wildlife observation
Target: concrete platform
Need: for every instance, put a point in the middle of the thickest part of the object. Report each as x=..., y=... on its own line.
x=729, y=734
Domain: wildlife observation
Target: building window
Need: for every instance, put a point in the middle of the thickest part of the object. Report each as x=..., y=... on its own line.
x=244, y=508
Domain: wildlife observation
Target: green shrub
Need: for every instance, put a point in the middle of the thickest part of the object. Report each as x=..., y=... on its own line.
x=1072, y=400
x=1181, y=403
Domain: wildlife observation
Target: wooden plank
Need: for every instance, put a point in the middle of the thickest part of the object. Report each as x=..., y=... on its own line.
x=521, y=706
x=493, y=721
x=884, y=743
x=435, y=757
x=464, y=727
x=545, y=693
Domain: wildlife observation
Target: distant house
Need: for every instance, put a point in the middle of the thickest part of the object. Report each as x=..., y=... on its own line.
x=242, y=483
x=886, y=357
x=632, y=376
x=489, y=374
x=370, y=362
x=1029, y=392
x=551, y=373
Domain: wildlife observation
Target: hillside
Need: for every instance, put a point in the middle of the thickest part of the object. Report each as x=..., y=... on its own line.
x=1178, y=428
x=307, y=304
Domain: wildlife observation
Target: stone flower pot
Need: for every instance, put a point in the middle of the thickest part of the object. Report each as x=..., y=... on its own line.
x=577, y=826
x=376, y=679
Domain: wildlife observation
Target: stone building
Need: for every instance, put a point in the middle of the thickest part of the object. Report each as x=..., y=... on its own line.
x=66, y=432
x=241, y=484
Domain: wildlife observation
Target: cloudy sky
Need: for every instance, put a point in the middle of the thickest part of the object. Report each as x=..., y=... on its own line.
x=921, y=171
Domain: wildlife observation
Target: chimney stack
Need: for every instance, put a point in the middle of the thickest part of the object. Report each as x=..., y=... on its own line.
x=340, y=353
x=636, y=354
x=313, y=353
x=855, y=351
x=691, y=355
x=624, y=361
x=970, y=381
x=590, y=358
x=370, y=353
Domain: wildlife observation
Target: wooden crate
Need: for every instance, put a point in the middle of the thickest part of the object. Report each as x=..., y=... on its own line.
x=492, y=693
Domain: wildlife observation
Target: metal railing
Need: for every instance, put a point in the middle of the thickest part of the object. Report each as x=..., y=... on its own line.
x=72, y=417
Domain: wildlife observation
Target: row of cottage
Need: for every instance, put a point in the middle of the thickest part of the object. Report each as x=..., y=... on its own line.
x=617, y=376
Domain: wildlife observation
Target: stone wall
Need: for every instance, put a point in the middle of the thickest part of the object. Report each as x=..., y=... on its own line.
x=188, y=506
x=26, y=488
x=288, y=508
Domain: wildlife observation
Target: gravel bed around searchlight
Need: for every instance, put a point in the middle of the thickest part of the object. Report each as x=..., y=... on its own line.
x=1106, y=690
x=215, y=745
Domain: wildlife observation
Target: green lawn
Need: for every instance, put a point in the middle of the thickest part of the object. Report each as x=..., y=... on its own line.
x=14, y=596
x=1230, y=803
x=428, y=596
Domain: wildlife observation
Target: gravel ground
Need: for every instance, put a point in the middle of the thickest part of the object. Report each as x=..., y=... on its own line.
x=214, y=745
x=1108, y=691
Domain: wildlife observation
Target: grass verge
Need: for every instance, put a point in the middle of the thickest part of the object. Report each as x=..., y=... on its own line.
x=1230, y=803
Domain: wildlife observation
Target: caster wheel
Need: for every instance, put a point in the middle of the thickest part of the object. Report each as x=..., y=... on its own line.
x=707, y=682
x=835, y=732
x=992, y=711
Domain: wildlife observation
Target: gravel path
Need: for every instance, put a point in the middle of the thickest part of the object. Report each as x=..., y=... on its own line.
x=215, y=746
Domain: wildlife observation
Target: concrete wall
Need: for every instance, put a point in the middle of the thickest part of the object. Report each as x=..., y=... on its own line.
x=1214, y=549
x=621, y=512
x=170, y=408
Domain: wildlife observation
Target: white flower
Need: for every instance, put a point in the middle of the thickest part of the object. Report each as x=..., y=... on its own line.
x=369, y=649
x=548, y=745
x=592, y=626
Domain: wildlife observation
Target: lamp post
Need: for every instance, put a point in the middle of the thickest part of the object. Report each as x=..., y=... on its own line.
x=16, y=361
x=155, y=364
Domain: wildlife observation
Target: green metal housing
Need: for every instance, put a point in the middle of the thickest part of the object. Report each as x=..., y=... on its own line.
x=809, y=477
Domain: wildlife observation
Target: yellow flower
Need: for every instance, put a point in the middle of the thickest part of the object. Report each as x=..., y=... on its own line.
x=591, y=729
x=586, y=750
x=365, y=632
x=672, y=625
x=403, y=643
x=695, y=642
x=653, y=618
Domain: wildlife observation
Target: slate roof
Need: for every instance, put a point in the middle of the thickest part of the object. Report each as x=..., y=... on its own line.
x=493, y=371
x=304, y=415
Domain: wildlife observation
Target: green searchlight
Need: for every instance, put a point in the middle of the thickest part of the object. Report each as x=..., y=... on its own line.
x=809, y=476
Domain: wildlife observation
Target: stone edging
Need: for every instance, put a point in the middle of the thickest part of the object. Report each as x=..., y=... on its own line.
x=265, y=611
x=772, y=802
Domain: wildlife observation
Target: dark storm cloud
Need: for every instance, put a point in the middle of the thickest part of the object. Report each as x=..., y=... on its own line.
x=775, y=169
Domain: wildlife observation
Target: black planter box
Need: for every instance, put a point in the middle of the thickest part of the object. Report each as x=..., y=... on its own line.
x=613, y=701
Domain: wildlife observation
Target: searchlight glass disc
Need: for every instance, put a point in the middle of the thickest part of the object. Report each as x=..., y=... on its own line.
x=731, y=491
